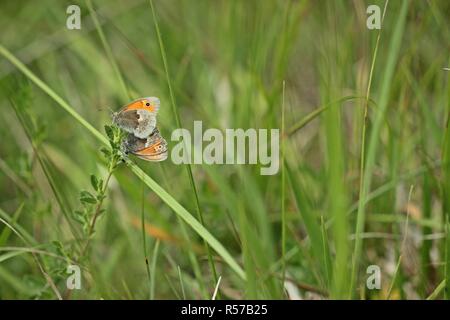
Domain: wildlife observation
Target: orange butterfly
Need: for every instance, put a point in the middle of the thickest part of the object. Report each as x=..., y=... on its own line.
x=138, y=118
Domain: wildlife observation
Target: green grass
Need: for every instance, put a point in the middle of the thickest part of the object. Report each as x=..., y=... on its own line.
x=180, y=210
x=368, y=162
x=178, y=123
x=363, y=115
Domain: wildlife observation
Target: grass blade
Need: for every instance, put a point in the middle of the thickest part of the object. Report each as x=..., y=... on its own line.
x=368, y=167
x=437, y=291
x=311, y=222
x=7, y=231
x=144, y=241
x=108, y=50
x=153, y=270
x=283, y=191
x=446, y=198
x=178, y=121
x=318, y=111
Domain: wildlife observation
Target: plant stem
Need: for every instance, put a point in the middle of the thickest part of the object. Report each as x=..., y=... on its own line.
x=97, y=213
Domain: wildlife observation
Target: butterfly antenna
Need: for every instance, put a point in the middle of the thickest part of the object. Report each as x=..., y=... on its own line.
x=106, y=108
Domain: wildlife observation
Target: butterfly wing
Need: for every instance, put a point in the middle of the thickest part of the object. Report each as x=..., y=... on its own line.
x=139, y=122
x=138, y=117
x=150, y=104
x=153, y=157
x=153, y=148
x=132, y=144
x=155, y=152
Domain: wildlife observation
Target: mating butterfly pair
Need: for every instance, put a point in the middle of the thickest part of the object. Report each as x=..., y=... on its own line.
x=138, y=118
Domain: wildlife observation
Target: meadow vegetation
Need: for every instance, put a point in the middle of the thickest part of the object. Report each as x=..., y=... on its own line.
x=364, y=174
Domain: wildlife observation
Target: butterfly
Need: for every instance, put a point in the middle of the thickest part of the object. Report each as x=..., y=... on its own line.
x=138, y=119
x=152, y=148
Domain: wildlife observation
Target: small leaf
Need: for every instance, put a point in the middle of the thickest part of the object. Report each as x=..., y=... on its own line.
x=59, y=248
x=100, y=185
x=106, y=152
x=109, y=132
x=79, y=216
x=88, y=200
x=87, y=197
x=94, y=182
x=85, y=193
x=57, y=244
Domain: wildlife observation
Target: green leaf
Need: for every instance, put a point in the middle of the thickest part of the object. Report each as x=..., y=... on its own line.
x=87, y=197
x=94, y=182
x=106, y=152
x=109, y=132
x=4, y=236
x=100, y=184
x=88, y=200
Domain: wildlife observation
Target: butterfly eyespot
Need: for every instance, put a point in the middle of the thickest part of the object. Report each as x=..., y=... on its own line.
x=147, y=104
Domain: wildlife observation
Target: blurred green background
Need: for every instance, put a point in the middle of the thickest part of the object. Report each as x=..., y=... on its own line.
x=364, y=176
